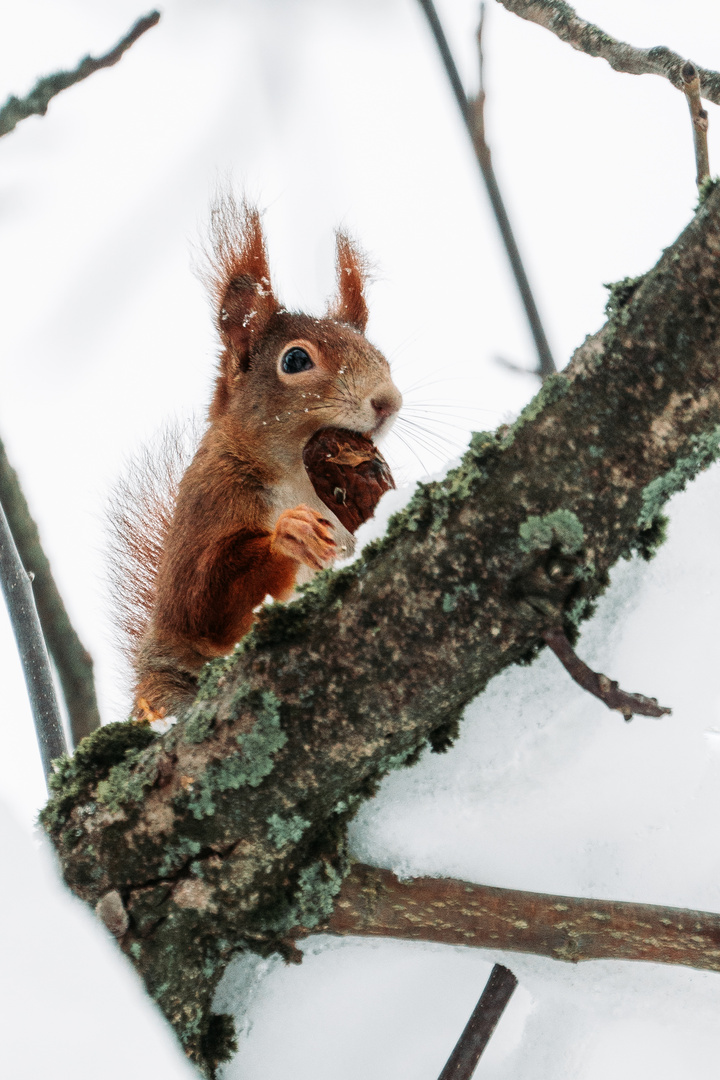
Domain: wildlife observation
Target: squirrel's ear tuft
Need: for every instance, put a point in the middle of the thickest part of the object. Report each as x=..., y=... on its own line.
x=238, y=278
x=352, y=272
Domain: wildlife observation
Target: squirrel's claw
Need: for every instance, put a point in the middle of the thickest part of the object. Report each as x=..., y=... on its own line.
x=305, y=536
x=145, y=714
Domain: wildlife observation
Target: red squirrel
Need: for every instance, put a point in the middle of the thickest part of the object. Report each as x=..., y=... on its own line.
x=246, y=520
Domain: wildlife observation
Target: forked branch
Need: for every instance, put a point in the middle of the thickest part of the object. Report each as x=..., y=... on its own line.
x=565, y=23
x=695, y=82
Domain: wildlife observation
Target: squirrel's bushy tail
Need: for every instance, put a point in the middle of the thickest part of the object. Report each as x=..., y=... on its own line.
x=139, y=514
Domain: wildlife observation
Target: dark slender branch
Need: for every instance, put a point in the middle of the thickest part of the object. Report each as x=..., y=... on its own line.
x=36, y=666
x=463, y=1061
x=447, y=57
x=72, y=661
x=472, y=114
x=374, y=903
x=600, y=685
x=563, y=21
x=36, y=103
x=699, y=117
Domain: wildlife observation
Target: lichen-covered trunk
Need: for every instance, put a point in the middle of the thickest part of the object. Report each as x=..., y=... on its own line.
x=229, y=830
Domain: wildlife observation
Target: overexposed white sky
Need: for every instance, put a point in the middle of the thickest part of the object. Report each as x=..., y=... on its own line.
x=335, y=112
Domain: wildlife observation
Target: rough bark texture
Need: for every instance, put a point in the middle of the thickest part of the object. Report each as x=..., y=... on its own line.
x=373, y=903
x=228, y=831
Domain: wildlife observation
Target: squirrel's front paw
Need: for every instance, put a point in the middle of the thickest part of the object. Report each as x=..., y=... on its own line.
x=304, y=535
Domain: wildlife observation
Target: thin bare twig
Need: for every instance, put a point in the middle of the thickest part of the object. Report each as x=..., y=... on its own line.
x=472, y=114
x=36, y=103
x=20, y=602
x=497, y=993
x=599, y=685
x=565, y=23
x=699, y=117
x=375, y=903
x=512, y=366
x=72, y=661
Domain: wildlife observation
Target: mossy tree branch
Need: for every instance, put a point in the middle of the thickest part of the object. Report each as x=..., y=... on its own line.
x=228, y=831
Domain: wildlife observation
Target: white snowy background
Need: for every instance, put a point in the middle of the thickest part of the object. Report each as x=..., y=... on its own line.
x=327, y=112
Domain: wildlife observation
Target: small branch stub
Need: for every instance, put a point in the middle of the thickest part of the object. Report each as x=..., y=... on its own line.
x=599, y=685
x=485, y=1017
x=699, y=117
x=111, y=911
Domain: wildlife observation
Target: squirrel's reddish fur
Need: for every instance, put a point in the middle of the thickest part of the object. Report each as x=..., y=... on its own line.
x=194, y=558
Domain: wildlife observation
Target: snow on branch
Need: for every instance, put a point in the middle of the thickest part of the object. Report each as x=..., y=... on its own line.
x=374, y=903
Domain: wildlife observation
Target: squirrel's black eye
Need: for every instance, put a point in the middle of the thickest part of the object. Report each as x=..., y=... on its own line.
x=294, y=360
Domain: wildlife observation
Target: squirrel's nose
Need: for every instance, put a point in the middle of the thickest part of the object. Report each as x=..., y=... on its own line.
x=385, y=406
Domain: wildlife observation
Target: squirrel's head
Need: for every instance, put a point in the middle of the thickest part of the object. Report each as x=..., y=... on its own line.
x=292, y=373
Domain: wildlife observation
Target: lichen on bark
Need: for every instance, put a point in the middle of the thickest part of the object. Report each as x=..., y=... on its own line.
x=199, y=832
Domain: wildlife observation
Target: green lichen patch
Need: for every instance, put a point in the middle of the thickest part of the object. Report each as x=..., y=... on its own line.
x=219, y=1041
x=284, y=831
x=650, y=539
x=256, y=759
x=709, y=184
x=211, y=676
x=127, y=782
x=621, y=293
x=284, y=622
x=704, y=450
x=318, y=885
x=429, y=507
x=452, y=598
x=560, y=528
x=75, y=777
x=199, y=721
x=176, y=853
x=553, y=389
